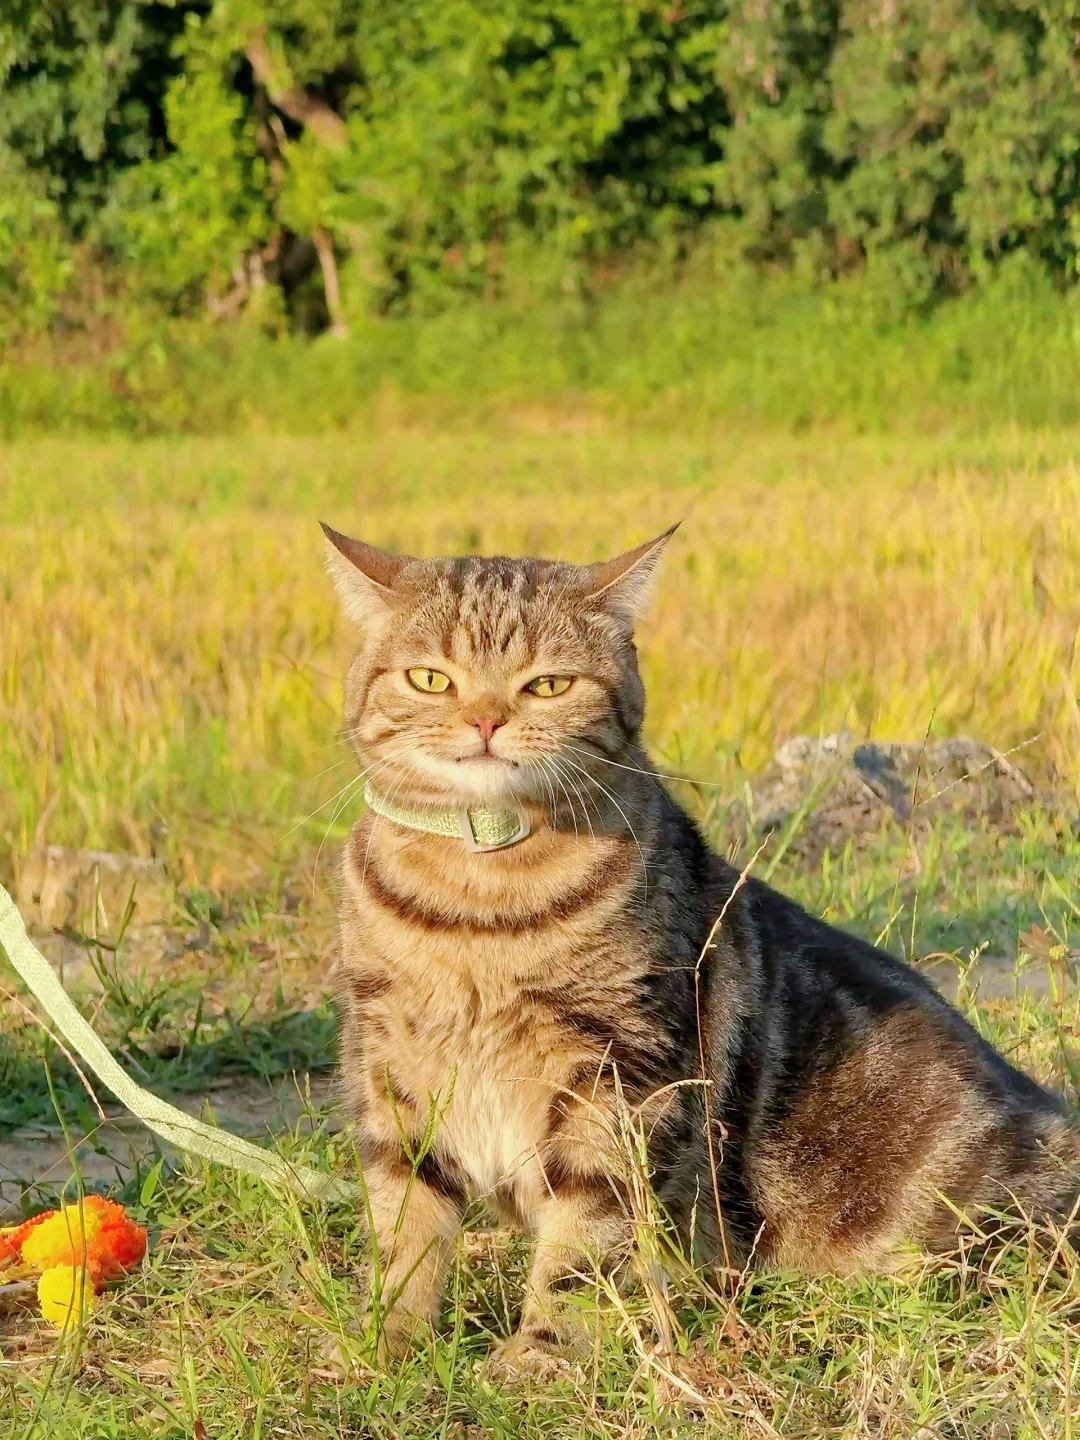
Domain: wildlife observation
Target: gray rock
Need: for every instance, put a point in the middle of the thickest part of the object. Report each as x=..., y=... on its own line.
x=88, y=890
x=834, y=790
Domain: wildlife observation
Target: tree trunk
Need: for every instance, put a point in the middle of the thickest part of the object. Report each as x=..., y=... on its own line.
x=324, y=248
x=325, y=124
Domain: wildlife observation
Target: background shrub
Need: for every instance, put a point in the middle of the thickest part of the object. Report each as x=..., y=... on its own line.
x=315, y=161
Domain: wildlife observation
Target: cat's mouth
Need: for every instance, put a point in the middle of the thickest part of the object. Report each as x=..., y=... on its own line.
x=486, y=777
x=486, y=756
x=480, y=777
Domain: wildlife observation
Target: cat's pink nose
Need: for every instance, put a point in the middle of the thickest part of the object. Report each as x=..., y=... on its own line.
x=487, y=725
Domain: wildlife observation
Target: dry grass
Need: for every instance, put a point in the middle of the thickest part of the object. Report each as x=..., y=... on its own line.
x=170, y=651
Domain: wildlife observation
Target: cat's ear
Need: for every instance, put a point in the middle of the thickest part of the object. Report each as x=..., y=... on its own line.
x=363, y=576
x=623, y=585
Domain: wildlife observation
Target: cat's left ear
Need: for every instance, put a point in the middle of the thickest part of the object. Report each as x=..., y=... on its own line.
x=624, y=584
x=363, y=576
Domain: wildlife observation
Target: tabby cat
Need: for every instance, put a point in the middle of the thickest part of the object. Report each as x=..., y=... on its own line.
x=534, y=934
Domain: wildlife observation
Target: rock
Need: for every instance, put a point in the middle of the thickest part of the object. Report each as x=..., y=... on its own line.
x=88, y=890
x=842, y=790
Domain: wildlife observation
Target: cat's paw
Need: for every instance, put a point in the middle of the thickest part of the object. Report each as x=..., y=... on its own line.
x=527, y=1357
x=545, y=1348
x=398, y=1336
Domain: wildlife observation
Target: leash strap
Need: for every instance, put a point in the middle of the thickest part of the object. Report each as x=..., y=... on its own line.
x=173, y=1125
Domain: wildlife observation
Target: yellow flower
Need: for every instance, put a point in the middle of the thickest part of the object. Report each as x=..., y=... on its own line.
x=66, y=1295
x=65, y=1237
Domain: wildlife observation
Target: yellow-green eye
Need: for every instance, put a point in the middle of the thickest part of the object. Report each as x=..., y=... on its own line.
x=432, y=682
x=548, y=685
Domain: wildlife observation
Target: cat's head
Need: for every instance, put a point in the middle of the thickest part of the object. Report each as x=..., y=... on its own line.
x=489, y=679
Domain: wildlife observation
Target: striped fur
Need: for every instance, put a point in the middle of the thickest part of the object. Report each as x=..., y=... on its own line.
x=518, y=994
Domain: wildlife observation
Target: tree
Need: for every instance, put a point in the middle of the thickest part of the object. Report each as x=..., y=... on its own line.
x=216, y=153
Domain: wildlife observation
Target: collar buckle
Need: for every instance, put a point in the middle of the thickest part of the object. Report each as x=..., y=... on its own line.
x=468, y=833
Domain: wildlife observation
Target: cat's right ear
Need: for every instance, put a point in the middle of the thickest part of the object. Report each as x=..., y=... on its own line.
x=623, y=584
x=363, y=576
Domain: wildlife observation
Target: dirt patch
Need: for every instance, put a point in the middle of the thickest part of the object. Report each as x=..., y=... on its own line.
x=36, y=1162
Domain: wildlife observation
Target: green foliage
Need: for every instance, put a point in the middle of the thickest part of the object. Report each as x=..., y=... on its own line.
x=35, y=259
x=209, y=150
x=588, y=124
x=210, y=190
x=723, y=343
x=82, y=86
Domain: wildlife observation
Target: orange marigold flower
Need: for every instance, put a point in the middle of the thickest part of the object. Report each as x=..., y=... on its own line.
x=97, y=1233
x=16, y=1234
x=65, y=1296
x=120, y=1244
x=77, y=1249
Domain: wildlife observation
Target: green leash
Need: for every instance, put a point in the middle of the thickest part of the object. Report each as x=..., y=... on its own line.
x=181, y=1130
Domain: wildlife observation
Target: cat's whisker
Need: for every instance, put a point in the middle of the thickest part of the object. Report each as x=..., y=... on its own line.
x=604, y=790
x=319, y=808
x=409, y=771
x=582, y=799
x=348, y=793
x=365, y=773
x=335, y=766
x=626, y=819
x=649, y=774
x=345, y=796
x=558, y=763
x=550, y=788
x=566, y=794
x=571, y=772
x=549, y=792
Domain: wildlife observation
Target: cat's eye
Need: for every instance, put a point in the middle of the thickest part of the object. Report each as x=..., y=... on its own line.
x=432, y=682
x=548, y=685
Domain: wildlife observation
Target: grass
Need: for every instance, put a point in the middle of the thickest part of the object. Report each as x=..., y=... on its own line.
x=170, y=653
x=710, y=340
x=170, y=663
x=246, y=1315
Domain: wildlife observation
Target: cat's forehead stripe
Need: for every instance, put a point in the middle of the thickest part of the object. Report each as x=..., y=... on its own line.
x=491, y=609
x=494, y=607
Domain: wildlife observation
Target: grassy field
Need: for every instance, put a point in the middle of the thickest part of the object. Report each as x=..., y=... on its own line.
x=170, y=663
x=709, y=339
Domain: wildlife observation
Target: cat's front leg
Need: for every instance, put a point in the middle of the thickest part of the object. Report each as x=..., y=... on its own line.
x=416, y=1211
x=578, y=1227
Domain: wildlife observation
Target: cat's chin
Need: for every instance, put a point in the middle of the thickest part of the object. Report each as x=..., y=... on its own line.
x=489, y=780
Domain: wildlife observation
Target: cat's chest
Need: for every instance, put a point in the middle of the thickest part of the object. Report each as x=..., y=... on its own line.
x=488, y=1067
x=484, y=1016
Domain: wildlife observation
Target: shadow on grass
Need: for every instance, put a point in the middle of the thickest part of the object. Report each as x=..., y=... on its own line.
x=264, y=1048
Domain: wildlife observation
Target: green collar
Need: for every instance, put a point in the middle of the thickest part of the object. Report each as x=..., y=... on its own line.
x=480, y=828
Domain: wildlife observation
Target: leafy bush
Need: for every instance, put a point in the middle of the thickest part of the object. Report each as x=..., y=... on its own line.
x=390, y=157
x=721, y=343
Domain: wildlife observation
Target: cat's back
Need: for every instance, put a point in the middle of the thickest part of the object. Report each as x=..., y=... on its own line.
x=828, y=991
